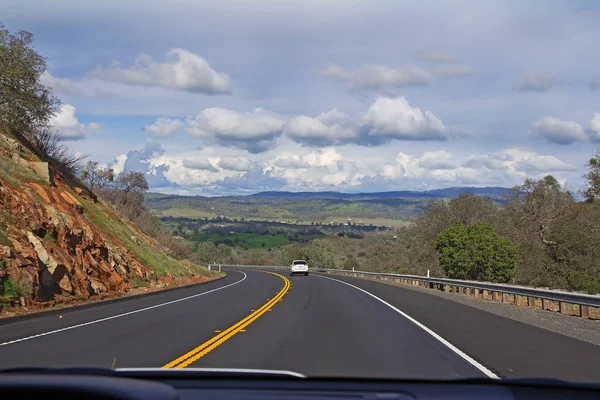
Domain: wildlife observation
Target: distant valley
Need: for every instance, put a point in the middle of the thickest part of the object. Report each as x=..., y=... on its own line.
x=269, y=220
x=381, y=208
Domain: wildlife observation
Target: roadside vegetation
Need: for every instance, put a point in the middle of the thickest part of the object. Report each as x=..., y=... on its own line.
x=125, y=193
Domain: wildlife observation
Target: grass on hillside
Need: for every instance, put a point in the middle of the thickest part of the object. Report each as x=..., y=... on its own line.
x=118, y=230
x=16, y=175
x=102, y=217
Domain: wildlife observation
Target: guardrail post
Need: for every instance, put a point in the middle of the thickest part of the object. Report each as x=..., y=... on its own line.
x=562, y=307
x=477, y=293
x=531, y=301
x=584, y=311
x=468, y=291
x=219, y=267
x=505, y=297
x=545, y=304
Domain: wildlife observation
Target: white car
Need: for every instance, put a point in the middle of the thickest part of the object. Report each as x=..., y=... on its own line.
x=299, y=267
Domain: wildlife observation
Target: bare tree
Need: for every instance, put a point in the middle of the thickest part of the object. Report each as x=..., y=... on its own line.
x=132, y=182
x=47, y=141
x=95, y=176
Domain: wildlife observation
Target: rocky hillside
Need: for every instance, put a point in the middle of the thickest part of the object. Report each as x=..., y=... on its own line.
x=58, y=242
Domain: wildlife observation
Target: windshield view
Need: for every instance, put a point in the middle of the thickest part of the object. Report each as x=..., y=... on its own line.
x=401, y=190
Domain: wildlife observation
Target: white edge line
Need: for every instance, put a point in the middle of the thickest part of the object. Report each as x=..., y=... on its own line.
x=446, y=343
x=121, y=315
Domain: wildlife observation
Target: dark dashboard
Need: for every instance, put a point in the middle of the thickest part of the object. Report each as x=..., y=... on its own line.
x=217, y=384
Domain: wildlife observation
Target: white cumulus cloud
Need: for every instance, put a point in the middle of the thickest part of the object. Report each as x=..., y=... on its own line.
x=332, y=127
x=437, y=160
x=182, y=70
x=594, y=131
x=291, y=162
x=395, y=118
x=558, y=131
x=67, y=125
x=536, y=163
x=164, y=127
x=199, y=164
x=238, y=164
x=257, y=131
x=253, y=131
x=504, y=168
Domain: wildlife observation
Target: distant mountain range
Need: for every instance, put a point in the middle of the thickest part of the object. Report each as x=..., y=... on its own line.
x=451, y=192
x=492, y=191
x=379, y=208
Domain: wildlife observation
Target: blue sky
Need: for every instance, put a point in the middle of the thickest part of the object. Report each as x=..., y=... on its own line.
x=242, y=96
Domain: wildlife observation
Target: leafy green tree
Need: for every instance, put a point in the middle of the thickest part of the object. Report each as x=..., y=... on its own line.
x=536, y=206
x=25, y=103
x=476, y=252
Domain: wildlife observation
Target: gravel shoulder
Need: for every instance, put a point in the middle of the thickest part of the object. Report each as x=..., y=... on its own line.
x=578, y=328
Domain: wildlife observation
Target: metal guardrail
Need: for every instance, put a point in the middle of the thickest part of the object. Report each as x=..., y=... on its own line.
x=481, y=289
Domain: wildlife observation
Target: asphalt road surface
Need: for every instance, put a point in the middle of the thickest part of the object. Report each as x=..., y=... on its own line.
x=317, y=325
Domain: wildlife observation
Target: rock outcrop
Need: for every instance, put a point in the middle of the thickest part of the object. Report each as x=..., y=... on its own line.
x=54, y=249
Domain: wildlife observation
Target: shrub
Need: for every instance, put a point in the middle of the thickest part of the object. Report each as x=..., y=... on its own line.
x=10, y=289
x=476, y=252
x=47, y=142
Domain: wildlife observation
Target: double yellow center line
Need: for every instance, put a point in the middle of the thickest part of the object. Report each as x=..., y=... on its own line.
x=211, y=344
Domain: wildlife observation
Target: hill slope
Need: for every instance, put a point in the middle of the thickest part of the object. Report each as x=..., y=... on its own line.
x=311, y=206
x=58, y=241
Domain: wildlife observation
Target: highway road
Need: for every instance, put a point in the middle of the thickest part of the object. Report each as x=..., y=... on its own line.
x=319, y=325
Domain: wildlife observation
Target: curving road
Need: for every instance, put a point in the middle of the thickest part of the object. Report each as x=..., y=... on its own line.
x=319, y=325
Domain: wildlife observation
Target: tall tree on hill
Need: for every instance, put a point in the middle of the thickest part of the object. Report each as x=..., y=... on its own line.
x=593, y=178
x=25, y=103
x=536, y=211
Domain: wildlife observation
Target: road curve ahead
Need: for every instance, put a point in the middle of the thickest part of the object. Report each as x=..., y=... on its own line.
x=318, y=325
